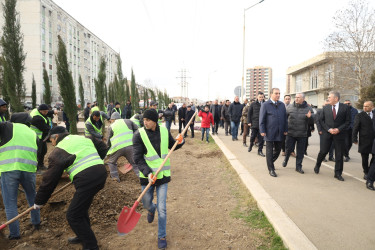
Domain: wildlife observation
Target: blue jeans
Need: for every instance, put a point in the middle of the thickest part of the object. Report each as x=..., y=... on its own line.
x=161, y=205
x=234, y=128
x=207, y=130
x=9, y=189
x=168, y=125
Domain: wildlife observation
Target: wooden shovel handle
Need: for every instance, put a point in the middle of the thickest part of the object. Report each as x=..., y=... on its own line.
x=31, y=208
x=166, y=158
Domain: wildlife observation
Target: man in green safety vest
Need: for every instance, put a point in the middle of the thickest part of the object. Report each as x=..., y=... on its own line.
x=138, y=120
x=117, y=108
x=3, y=110
x=41, y=127
x=150, y=147
x=82, y=158
x=18, y=161
x=94, y=124
x=154, y=105
x=119, y=142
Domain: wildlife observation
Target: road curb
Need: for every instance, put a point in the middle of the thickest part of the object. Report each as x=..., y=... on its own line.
x=289, y=232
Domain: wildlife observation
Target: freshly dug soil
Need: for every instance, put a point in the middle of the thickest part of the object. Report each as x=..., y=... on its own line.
x=199, y=208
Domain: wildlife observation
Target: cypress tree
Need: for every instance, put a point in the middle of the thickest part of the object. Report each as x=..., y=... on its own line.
x=33, y=93
x=106, y=93
x=127, y=89
x=368, y=92
x=111, y=92
x=13, y=57
x=120, y=83
x=133, y=93
x=67, y=90
x=100, y=84
x=47, y=88
x=81, y=92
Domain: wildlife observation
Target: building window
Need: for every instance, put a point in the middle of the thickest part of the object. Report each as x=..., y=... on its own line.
x=298, y=83
x=314, y=79
x=328, y=75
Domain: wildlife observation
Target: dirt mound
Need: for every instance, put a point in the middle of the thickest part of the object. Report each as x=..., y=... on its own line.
x=55, y=229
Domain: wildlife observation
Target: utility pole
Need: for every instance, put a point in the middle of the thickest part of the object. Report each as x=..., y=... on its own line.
x=183, y=83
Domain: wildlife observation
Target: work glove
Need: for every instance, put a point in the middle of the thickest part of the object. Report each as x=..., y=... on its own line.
x=179, y=138
x=37, y=207
x=151, y=178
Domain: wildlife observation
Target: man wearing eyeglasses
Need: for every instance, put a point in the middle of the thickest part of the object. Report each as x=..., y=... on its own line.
x=348, y=136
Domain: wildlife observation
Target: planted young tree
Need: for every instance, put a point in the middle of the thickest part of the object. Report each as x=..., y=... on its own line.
x=47, y=88
x=133, y=93
x=120, y=83
x=127, y=89
x=33, y=93
x=111, y=92
x=100, y=84
x=67, y=90
x=13, y=57
x=81, y=92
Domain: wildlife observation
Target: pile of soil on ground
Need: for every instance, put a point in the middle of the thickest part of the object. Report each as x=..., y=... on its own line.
x=55, y=229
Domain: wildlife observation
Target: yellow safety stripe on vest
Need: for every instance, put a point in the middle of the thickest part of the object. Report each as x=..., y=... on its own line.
x=120, y=143
x=117, y=136
x=18, y=148
x=20, y=160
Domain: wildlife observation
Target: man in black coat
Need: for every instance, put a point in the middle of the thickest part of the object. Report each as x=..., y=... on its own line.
x=364, y=124
x=235, y=113
x=253, y=122
x=181, y=118
x=127, y=111
x=86, y=112
x=335, y=120
x=189, y=114
x=215, y=110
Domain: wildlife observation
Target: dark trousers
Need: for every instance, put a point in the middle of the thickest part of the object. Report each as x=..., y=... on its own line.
x=348, y=142
x=227, y=127
x=325, y=144
x=255, y=133
x=371, y=173
x=215, y=127
x=181, y=125
x=78, y=211
x=43, y=152
x=365, y=164
x=301, y=145
x=192, y=129
x=273, y=149
x=283, y=144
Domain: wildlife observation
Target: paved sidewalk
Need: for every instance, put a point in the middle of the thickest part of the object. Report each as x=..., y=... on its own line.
x=332, y=214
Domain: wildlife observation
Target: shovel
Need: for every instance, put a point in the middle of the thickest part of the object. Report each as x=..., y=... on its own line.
x=128, y=218
x=30, y=209
x=125, y=168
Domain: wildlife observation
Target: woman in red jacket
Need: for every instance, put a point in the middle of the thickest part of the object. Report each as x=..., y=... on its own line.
x=207, y=118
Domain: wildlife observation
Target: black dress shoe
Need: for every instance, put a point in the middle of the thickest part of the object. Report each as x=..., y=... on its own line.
x=14, y=237
x=339, y=177
x=260, y=153
x=244, y=145
x=365, y=177
x=74, y=240
x=232, y=139
x=346, y=159
x=284, y=164
x=331, y=159
x=250, y=148
x=325, y=160
x=316, y=170
x=300, y=171
x=370, y=186
x=272, y=173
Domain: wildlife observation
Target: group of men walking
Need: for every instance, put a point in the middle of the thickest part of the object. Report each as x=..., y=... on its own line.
x=22, y=150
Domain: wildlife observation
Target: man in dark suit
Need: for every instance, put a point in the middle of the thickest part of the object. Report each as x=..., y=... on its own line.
x=273, y=126
x=335, y=120
x=364, y=124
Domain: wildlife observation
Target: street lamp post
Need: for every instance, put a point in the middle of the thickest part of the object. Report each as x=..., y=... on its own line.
x=243, y=49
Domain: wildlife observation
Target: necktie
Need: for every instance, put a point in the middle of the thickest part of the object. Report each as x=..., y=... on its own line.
x=334, y=112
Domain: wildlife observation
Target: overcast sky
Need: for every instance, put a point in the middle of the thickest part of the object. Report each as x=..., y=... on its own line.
x=159, y=37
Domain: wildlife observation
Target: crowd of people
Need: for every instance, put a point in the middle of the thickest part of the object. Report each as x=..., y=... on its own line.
x=143, y=140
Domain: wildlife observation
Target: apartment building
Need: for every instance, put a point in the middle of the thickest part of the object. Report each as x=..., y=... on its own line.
x=41, y=22
x=258, y=79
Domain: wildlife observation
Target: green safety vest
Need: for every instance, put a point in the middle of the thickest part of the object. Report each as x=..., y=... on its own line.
x=2, y=119
x=159, y=121
x=115, y=110
x=85, y=151
x=38, y=132
x=136, y=121
x=122, y=136
x=87, y=133
x=152, y=158
x=20, y=153
x=96, y=108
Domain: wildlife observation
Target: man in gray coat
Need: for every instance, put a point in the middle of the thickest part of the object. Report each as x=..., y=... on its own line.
x=299, y=116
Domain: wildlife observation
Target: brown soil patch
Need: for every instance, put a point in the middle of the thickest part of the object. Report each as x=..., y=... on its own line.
x=199, y=206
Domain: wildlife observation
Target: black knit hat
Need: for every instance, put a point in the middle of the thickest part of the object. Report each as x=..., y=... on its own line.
x=151, y=114
x=43, y=107
x=55, y=130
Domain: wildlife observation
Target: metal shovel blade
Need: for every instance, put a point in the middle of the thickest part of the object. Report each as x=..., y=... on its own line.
x=128, y=219
x=125, y=168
